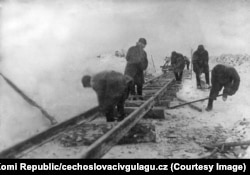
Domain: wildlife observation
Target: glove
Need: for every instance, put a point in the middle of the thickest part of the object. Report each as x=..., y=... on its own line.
x=230, y=91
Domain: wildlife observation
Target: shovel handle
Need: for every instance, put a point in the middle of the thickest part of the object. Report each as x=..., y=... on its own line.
x=191, y=102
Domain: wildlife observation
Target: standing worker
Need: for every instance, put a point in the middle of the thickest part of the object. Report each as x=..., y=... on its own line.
x=200, y=65
x=223, y=76
x=178, y=64
x=112, y=90
x=137, y=62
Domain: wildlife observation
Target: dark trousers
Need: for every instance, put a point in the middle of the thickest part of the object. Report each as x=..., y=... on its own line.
x=120, y=109
x=198, y=80
x=188, y=66
x=214, y=92
x=110, y=111
x=135, y=88
x=178, y=75
x=119, y=103
x=139, y=89
x=210, y=104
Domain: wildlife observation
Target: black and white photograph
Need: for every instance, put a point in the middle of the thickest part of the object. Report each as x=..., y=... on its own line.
x=125, y=79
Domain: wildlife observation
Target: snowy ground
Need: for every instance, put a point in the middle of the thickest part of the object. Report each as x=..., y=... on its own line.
x=189, y=129
x=179, y=136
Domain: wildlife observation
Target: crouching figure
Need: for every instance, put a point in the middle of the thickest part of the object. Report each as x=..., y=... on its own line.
x=223, y=76
x=112, y=89
x=178, y=64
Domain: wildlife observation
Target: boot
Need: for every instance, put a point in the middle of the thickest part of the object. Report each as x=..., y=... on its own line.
x=180, y=76
x=109, y=113
x=120, y=109
x=121, y=117
x=210, y=105
x=141, y=98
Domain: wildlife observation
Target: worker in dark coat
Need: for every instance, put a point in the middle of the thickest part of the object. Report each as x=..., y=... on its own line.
x=200, y=65
x=137, y=62
x=223, y=76
x=187, y=62
x=112, y=90
x=178, y=65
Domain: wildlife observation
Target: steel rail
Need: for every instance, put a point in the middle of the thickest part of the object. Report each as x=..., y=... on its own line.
x=101, y=146
x=42, y=137
x=39, y=139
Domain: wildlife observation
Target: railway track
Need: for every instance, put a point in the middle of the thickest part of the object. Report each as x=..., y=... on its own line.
x=158, y=92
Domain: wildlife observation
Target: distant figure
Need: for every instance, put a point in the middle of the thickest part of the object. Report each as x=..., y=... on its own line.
x=137, y=62
x=223, y=76
x=166, y=67
x=178, y=64
x=117, y=54
x=167, y=61
x=187, y=62
x=112, y=90
x=200, y=65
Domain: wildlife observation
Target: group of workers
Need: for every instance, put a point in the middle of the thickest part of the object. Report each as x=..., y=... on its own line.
x=113, y=88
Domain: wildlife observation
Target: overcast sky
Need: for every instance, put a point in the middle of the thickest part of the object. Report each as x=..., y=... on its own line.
x=54, y=32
